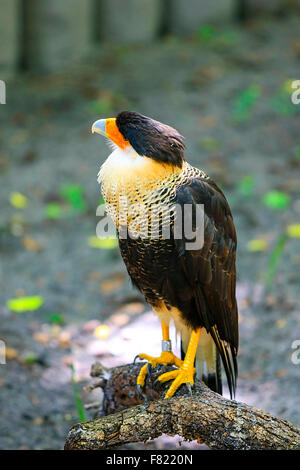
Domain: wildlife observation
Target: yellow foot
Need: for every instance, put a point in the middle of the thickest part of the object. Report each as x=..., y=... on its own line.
x=166, y=358
x=183, y=375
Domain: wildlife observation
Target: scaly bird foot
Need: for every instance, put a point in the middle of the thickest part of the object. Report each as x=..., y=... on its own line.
x=183, y=375
x=166, y=358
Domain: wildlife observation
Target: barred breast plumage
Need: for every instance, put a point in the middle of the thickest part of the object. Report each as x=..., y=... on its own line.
x=196, y=288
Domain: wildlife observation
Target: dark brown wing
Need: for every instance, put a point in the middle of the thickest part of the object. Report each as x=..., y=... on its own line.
x=210, y=272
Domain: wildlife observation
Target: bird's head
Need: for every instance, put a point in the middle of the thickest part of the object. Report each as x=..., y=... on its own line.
x=147, y=137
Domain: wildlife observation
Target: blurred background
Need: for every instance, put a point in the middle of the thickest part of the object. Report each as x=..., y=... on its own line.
x=222, y=74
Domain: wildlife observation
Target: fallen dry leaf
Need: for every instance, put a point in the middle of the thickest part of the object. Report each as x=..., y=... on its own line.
x=281, y=322
x=11, y=353
x=41, y=337
x=64, y=339
x=119, y=319
x=34, y=399
x=32, y=245
x=38, y=421
x=20, y=292
x=281, y=372
x=114, y=282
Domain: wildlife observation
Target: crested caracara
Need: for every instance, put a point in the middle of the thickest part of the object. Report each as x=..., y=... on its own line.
x=144, y=182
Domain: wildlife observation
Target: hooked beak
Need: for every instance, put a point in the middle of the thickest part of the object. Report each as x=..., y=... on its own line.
x=109, y=129
x=99, y=127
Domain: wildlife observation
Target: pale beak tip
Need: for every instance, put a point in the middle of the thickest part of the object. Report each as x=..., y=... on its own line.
x=98, y=127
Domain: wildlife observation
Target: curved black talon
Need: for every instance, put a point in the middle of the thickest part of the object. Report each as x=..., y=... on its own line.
x=149, y=368
x=141, y=394
x=137, y=356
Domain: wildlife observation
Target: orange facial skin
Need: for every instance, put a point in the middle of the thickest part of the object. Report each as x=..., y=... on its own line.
x=113, y=133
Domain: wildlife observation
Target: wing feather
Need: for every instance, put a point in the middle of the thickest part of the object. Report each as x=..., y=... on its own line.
x=210, y=272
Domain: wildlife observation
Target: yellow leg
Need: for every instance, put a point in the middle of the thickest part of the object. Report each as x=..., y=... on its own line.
x=166, y=357
x=165, y=331
x=185, y=373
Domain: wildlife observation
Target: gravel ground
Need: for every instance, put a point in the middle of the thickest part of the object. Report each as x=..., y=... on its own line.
x=228, y=92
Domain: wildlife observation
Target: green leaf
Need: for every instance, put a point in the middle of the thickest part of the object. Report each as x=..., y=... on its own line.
x=258, y=244
x=282, y=102
x=73, y=194
x=283, y=105
x=209, y=143
x=24, y=304
x=293, y=231
x=274, y=260
x=206, y=33
x=103, y=243
x=287, y=86
x=245, y=101
x=77, y=399
x=30, y=358
x=296, y=151
x=246, y=186
x=56, y=318
x=276, y=200
x=228, y=38
x=18, y=200
x=53, y=211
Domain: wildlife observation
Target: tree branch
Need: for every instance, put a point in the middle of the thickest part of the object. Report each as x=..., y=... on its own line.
x=205, y=416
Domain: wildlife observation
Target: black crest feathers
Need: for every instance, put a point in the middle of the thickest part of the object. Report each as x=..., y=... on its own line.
x=152, y=138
